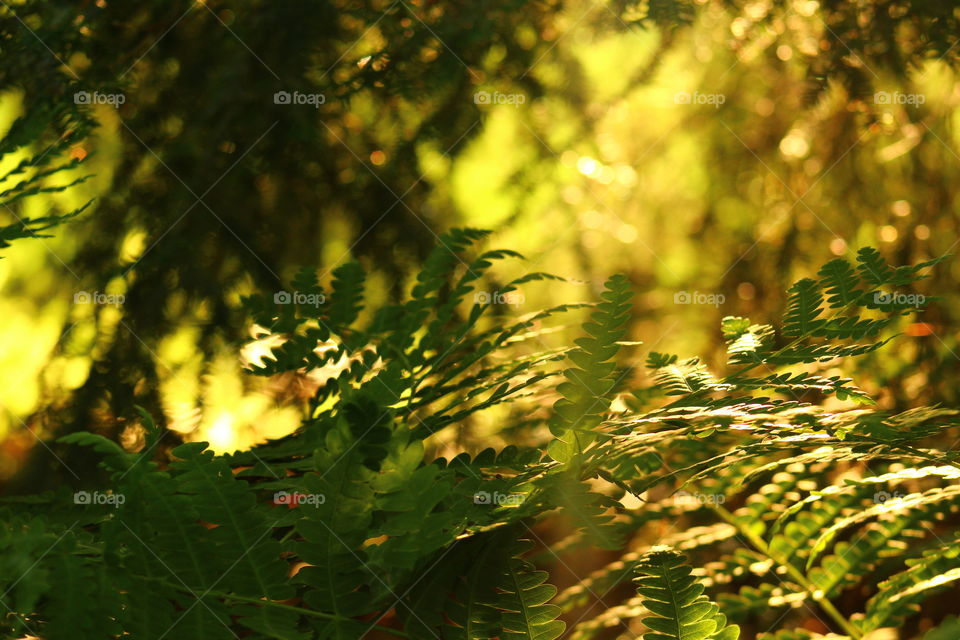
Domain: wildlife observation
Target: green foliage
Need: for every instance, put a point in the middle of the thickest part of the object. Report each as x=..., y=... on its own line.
x=515, y=606
x=681, y=611
x=408, y=71
x=179, y=173
x=591, y=382
x=781, y=481
x=722, y=434
x=37, y=142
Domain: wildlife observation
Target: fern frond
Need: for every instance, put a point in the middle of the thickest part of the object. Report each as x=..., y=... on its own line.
x=605, y=579
x=772, y=596
x=673, y=595
x=522, y=598
x=908, y=501
x=84, y=603
x=875, y=270
x=502, y=596
x=796, y=383
x=470, y=612
x=804, y=304
x=587, y=509
x=590, y=382
x=853, y=560
x=346, y=299
x=684, y=378
x=840, y=283
x=898, y=597
x=223, y=500
x=746, y=342
x=911, y=473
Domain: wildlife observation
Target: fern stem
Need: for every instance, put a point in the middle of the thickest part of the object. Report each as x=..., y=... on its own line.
x=812, y=591
x=279, y=605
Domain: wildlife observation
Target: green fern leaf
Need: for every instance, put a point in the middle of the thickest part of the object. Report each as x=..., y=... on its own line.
x=471, y=614
x=684, y=378
x=346, y=300
x=681, y=611
x=746, y=343
x=586, y=509
x=840, y=283
x=522, y=600
x=803, y=306
x=590, y=383
x=228, y=502
x=909, y=501
x=84, y=603
x=898, y=596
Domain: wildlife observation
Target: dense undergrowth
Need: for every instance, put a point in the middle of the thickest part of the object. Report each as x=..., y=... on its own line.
x=773, y=492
